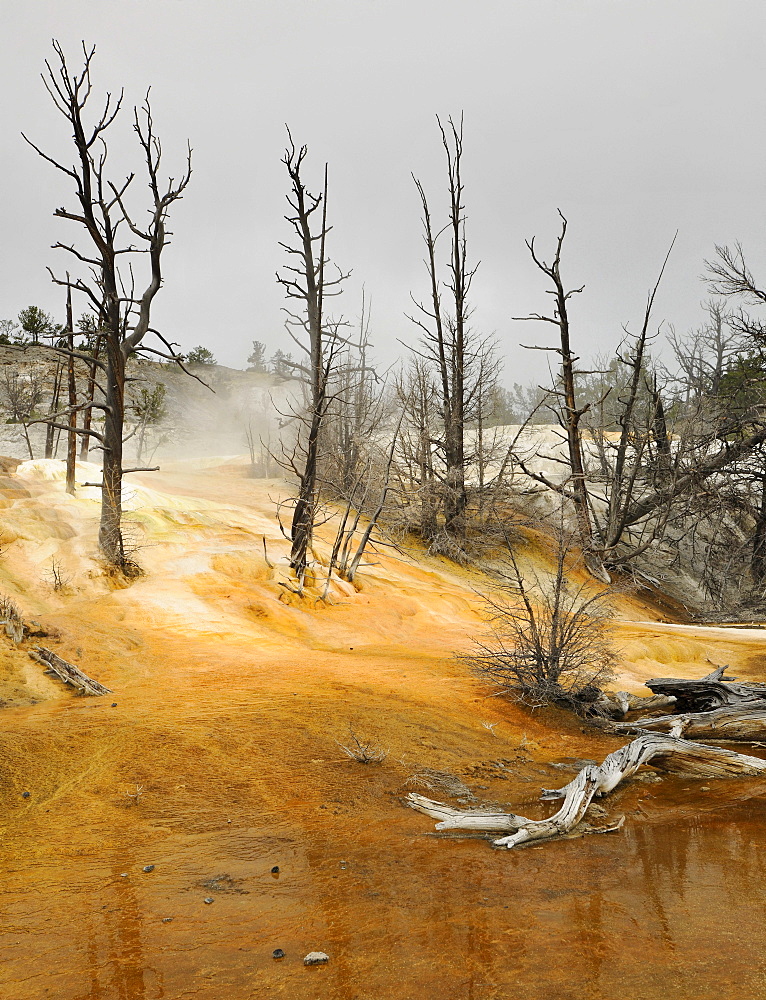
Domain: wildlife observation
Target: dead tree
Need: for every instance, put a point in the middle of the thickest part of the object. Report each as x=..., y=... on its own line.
x=355, y=414
x=448, y=346
x=631, y=463
x=101, y=213
x=652, y=477
x=22, y=394
x=416, y=395
x=308, y=283
x=569, y=413
x=361, y=441
x=704, y=355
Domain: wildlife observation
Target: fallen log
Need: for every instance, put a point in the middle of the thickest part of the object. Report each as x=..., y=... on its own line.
x=731, y=723
x=617, y=704
x=68, y=672
x=664, y=752
x=707, y=693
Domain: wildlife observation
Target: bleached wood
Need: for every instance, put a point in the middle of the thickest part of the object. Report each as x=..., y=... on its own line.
x=729, y=723
x=709, y=692
x=665, y=752
x=68, y=672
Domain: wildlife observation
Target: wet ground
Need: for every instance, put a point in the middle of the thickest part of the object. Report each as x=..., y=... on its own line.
x=220, y=761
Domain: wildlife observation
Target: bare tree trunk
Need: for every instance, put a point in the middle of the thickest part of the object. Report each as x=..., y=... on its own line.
x=303, y=516
x=29, y=443
x=446, y=335
x=307, y=283
x=758, y=558
x=571, y=414
x=90, y=397
x=109, y=535
x=50, y=430
x=746, y=722
x=661, y=436
x=71, y=451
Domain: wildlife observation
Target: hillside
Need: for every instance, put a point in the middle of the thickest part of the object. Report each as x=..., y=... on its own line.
x=205, y=413
x=220, y=760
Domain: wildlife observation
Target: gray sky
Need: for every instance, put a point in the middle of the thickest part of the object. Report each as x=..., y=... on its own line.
x=635, y=117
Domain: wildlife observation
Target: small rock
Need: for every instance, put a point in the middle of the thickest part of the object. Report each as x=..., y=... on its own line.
x=123, y=875
x=316, y=958
x=209, y=899
x=148, y=868
x=114, y=704
x=275, y=870
x=705, y=788
x=25, y=795
x=166, y=920
x=277, y=953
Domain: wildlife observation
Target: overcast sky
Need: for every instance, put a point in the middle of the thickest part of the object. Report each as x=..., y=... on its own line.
x=634, y=117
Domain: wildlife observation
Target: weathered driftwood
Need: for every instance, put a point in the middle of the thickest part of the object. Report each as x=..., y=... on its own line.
x=746, y=723
x=617, y=704
x=707, y=693
x=68, y=672
x=664, y=752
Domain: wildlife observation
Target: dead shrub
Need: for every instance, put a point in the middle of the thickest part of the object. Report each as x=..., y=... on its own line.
x=550, y=639
x=363, y=750
x=11, y=619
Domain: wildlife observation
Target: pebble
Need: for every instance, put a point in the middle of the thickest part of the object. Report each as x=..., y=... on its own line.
x=123, y=875
x=166, y=920
x=209, y=899
x=277, y=953
x=148, y=868
x=275, y=870
x=25, y=795
x=114, y=704
x=316, y=958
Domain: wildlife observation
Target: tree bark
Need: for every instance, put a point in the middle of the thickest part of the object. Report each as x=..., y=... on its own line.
x=758, y=558
x=71, y=447
x=109, y=533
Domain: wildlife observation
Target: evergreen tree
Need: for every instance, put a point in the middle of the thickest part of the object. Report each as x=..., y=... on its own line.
x=35, y=326
x=256, y=361
x=200, y=356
